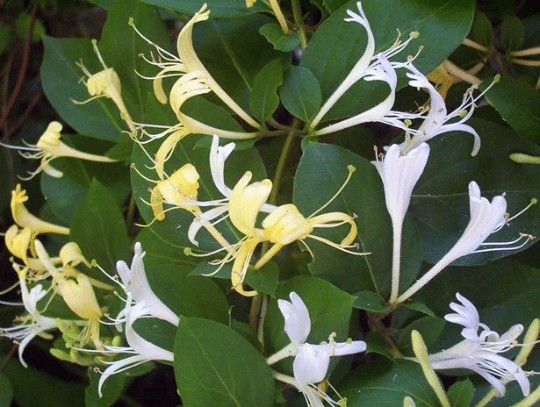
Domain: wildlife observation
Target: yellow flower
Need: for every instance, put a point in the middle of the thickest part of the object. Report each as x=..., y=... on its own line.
x=19, y=242
x=250, y=3
x=106, y=83
x=49, y=147
x=25, y=219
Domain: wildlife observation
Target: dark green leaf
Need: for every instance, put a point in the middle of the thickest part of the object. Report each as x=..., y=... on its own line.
x=6, y=391
x=519, y=104
x=300, y=93
x=7, y=34
x=377, y=344
x=386, y=383
x=218, y=8
x=216, y=366
x=98, y=227
x=112, y=389
x=461, y=394
x=264, y=280
x=512, y=33
x=263, y=99
x=418, y=306
x=481, y=30
x=429, y=327
x=369, y=301
x=275, y=36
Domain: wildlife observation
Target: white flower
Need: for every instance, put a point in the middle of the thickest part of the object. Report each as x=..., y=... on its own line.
x=486, y=218
x=136, y=283
x=142, y=350
x=311, y=361
x=25, y=332
x=479, y=351
x=400, y=173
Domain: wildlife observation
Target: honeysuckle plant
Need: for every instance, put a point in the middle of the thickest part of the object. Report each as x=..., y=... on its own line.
x=214, y=212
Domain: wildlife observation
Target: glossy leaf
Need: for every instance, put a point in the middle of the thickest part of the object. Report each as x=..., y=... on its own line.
x=218, y=8
x=275, y=36
x=369, y=301
x=263, y=99
x=216, y=366
x=300, y=93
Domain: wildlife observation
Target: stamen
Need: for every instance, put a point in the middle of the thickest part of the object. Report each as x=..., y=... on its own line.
x=351, y=169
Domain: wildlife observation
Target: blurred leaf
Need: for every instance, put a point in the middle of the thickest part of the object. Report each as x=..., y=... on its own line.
x=7, y=35
x=263, y=99
x=300, y=93
x=386, y=383
x=275, y=36
x=461, y=394
x=216, y=366
x=112, y=389
x=6, y=391
x=512, y=33
x=369, y=301
x=440, y=202
x=519, y=104
x=98, y=228
x=321, y=172
x=481, y=30
x=22, y=26
x=218, y=8
x=338, y=45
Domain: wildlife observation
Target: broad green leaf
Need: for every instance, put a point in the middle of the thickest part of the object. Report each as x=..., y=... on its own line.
x=481, y=30
x=418, y=306
x=98, y=228
x=440, y=202
x=264, y=280
x=386, y=383
x=234, y=52
x=218, y=8
x=275, y=36
x=329, y=310
x=512, y=33
x=263, y=99
x=333, y=5
x=168, y=268
x=22, y=26
x=216, y=366
x=321, y=172
x=369, y=301
x=112, y=389
x=461, y=394
x=519, y=104
x=6, y=391
x=377, y=344
x=338, y=45
x=429, y=327
x=300, y=93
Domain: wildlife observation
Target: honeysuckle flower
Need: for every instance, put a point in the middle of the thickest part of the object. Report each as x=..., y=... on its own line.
x=486, y=219
x=369, y=67
x=194, y=80
x=49, y=147
x=311, y=362
x=142, y=350
x=25, y=219
x=33, y=324
x=480, y=348
x=400, y=173
x=106, y=83
x=19, y=242
x=135, y=282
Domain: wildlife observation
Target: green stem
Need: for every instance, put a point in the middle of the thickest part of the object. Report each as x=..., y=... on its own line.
x=131, y=211
x=299, y=22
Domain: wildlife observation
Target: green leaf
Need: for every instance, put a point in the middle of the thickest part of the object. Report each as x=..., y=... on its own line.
x=98, y=228
x=22, y=26
x=369, y=301
x=386, y=383
x=7, y=34
x=481, y=30
x=333, y=5
x=519, y=104
x=6, y=391
x=275, y=36
x=218, y=8
x=440, y=202
x=216, y=366
x=168, y=271
x=264, y=280
x=338, y=45
x=429, y=327
x=461, y=394
x=321, y=172
x=300, y=93
x=263, y=99
x=329, y=310
x=377, y=344
x=418, y=306
x=112, y=389
x=512, y=33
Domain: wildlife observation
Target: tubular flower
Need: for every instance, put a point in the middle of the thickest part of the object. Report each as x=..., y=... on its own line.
x=400, y=173
x=135, y=282
x=194, y=80
x=25, y=219
x=369, y=67
x=33, y=324
x=49, y=147
x=479, y=351
x=141, y=350
x=486, y=219
x=311, y=362
x=106, y=83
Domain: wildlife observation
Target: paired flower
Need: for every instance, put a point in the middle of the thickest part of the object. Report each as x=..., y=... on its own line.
x=486, y=219
x=311, y=362
x=479, y=351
